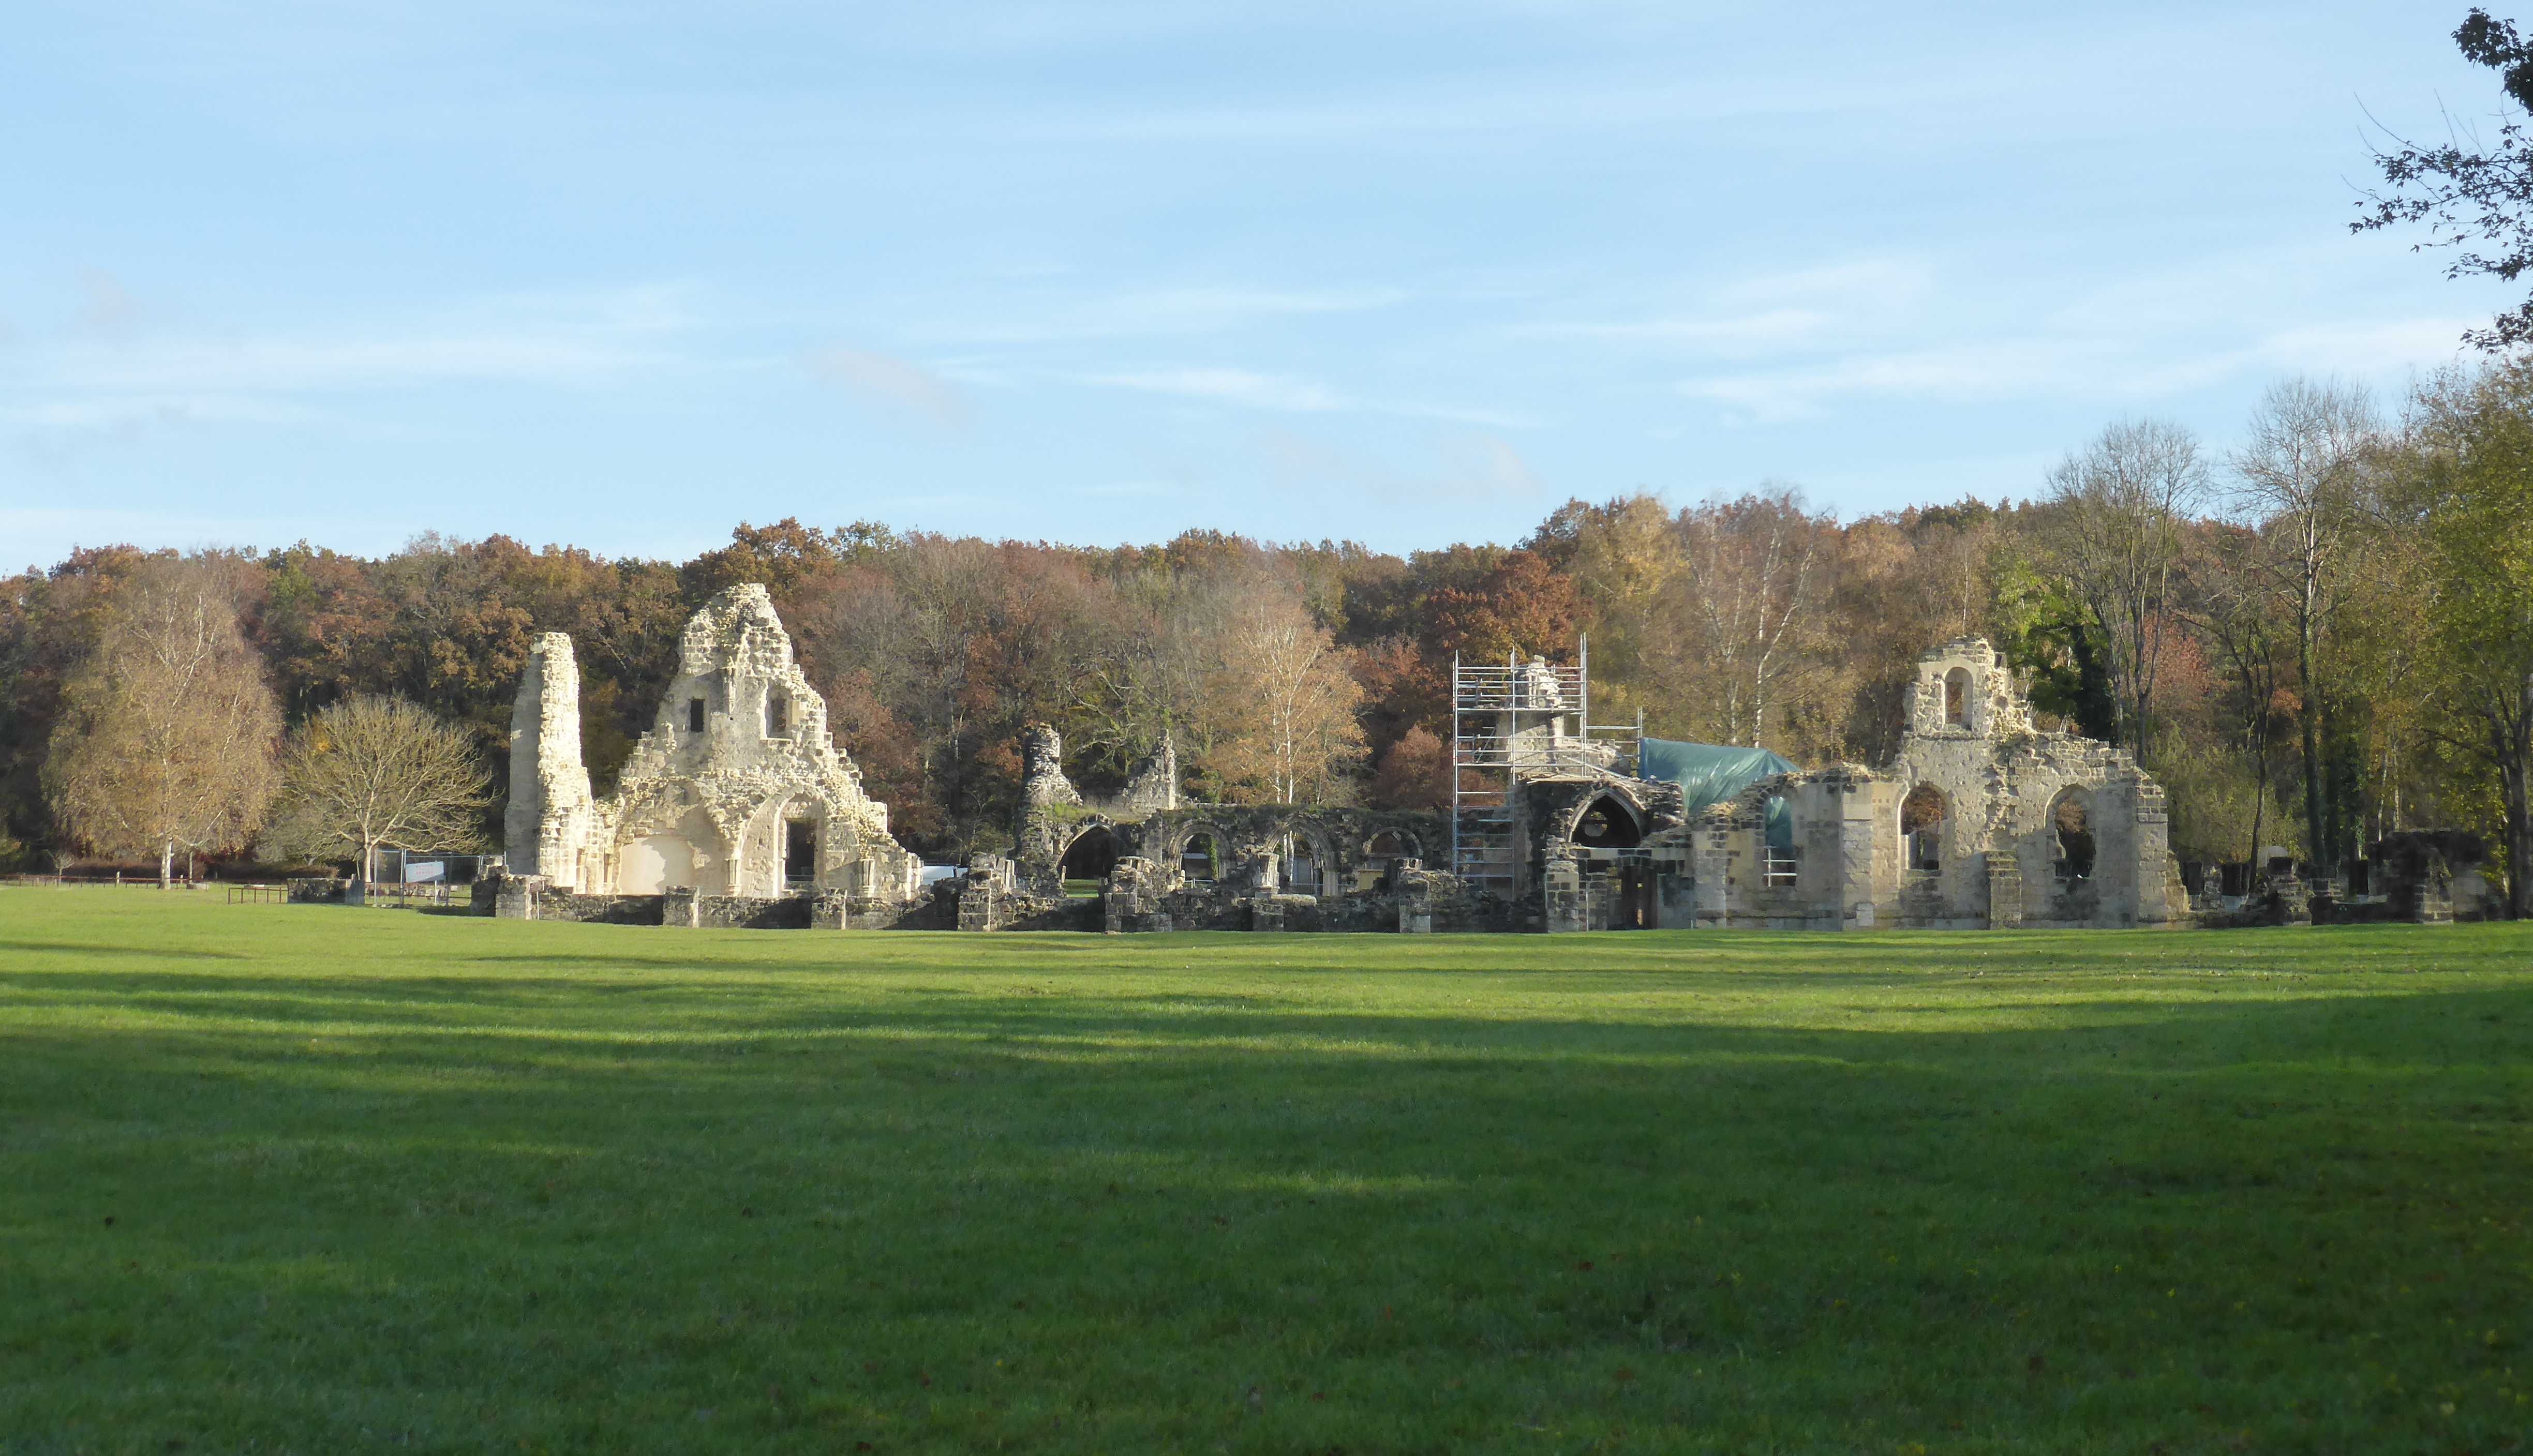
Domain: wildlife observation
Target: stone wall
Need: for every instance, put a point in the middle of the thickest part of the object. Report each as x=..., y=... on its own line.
x=2000, y=857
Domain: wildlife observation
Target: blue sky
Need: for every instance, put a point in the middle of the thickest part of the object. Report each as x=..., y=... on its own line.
x=622, y=275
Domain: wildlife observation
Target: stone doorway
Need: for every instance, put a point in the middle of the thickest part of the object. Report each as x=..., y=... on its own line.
x=800, y=854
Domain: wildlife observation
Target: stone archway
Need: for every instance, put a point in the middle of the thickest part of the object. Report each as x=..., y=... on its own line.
x=1200, y=852
x=1306, y=860
x=1092, y=855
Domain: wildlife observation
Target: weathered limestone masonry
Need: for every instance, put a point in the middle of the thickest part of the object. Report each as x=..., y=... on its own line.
x=1977, y=821
x=736, y=794
x=548, y=819
x=1161, y=864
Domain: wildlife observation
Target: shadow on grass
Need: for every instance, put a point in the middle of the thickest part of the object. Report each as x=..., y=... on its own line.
x=541, y=1211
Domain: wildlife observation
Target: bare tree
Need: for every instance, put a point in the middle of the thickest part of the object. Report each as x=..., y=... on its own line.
x=166, y=737
x=1741, y=614
x=2228, y=601
x=373, y=772
x=2302, y=477
x=1287, y=701
x=2122, y=505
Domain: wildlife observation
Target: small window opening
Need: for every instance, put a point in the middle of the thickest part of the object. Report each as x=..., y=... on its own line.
x=800, y=851
x=695, y=715
x=1781, y=863
x=1921, y=828
x=1956, y=697
x=2073, y=835
x=778, y=716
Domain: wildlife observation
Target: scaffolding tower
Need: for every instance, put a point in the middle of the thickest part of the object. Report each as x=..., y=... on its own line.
x=1516, y=722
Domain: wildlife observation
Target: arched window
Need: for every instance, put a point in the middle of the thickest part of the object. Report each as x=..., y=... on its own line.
x=1956, y=697
x=1921, y=828
x=1306, y=865
x=1199, y=858
x=1090, y=857
x=778, y=716
x=2071, y=836
x=1607, y=824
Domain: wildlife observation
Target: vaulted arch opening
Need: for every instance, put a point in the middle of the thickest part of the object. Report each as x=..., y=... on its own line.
x=1956, y=697
x=1090, y=857
x=1607, y=823
x=1200, y=857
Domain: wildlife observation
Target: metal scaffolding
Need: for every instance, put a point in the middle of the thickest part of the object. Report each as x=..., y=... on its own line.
x=1513, y=723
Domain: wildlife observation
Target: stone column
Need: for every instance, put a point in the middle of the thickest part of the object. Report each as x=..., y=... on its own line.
x=2153, y=847
x=1710, y=871
x=2004, y=891
x=1560, y=894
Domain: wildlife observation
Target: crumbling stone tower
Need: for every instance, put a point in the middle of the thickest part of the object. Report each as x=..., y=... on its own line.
x=548, y=820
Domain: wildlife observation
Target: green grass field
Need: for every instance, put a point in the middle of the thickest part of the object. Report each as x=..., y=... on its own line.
x=313, y=1179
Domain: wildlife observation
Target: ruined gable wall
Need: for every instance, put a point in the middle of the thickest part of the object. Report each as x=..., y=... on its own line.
x=2000, y=779
x=739, y=750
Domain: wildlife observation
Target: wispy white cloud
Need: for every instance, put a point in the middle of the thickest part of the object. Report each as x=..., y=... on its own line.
x=127, y=412
x=106, y=308
x=1251, y=389
x=1776, y=328
x=1472, y=466
x=321, y=363
x=1229, y=386
x=2107, y=367
x=1487, y=465
x=1772, y=312
x=894, y=382
x=1150, y=313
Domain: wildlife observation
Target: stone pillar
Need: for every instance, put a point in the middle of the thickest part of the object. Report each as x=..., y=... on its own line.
x=682, y=906
x=1562, y=898
x=516, y=899
x=2154, y=843
x=1860, y=850
x=2004, y=891
x=1710, y=875
x=991, y=878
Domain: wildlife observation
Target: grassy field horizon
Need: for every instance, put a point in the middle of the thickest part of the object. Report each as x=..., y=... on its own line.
x=316, y=1179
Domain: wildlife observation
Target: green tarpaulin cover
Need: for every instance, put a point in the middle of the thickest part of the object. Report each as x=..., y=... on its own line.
x=1710, y=773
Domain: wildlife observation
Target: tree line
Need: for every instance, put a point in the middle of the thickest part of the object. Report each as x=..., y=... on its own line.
x=2321, y=635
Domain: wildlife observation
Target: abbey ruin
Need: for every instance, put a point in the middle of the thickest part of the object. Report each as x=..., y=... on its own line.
x=735, y=802
x=737, y=809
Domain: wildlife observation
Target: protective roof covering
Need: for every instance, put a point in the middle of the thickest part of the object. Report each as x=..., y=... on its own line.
x=1711, y=772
